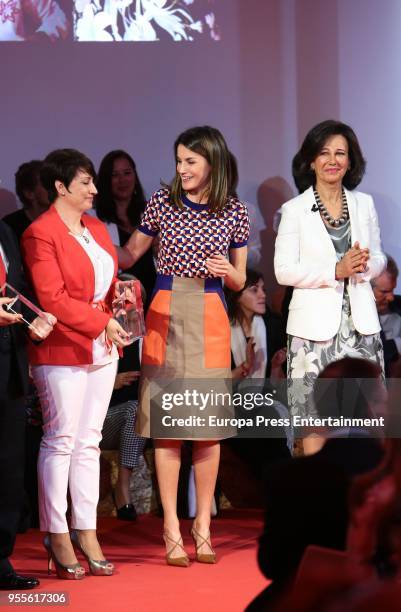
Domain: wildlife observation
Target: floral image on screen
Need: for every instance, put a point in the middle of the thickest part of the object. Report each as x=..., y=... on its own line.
x=144, y=20
x=32, y=20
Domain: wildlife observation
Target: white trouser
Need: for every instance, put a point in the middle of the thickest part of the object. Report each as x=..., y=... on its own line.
x=74, y=402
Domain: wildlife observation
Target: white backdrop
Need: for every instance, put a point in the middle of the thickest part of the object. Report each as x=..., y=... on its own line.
x=281, y=66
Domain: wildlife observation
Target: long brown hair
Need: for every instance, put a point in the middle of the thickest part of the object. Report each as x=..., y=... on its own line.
x=209, y=143
x=105, y=206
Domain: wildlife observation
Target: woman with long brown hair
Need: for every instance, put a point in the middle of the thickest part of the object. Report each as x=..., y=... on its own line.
x=120, y=203
x=188, y=333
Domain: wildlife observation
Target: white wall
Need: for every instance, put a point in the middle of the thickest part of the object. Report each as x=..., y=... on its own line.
x=282, y=66
x=369, y=52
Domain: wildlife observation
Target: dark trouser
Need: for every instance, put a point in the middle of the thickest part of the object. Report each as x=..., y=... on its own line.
x=30, y=513
x=12, y=436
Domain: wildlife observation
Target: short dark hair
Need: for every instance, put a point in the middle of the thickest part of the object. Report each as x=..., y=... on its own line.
x=26, y=179
x=232, y=297
x=208, y=142
x=314, y=141
x=62, y=165
x=105, y=206
x=391, y=267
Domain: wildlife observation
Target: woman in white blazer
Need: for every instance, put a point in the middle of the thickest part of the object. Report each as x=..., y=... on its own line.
x=328, y=248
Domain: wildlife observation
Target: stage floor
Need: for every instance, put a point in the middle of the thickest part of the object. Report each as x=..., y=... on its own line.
x=143, y=582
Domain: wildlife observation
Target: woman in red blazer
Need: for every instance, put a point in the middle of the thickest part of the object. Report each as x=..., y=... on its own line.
x=72, y=264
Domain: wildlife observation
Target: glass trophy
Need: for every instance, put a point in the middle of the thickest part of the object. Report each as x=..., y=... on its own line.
x=128, y=309
x=36, y=320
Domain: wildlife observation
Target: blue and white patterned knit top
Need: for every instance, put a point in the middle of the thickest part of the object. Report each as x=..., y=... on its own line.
x=189, y=235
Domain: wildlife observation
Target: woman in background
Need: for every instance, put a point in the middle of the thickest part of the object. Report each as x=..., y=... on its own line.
x=258, y=352
x=72, y=265
x=120, y=203
x=257, y=336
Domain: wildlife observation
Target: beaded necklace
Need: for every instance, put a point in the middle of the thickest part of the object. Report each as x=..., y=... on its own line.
x=325, y=213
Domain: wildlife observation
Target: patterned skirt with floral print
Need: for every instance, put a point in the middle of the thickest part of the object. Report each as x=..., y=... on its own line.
x=307, y=358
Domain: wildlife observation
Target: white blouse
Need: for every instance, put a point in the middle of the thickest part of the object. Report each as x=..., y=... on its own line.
x=238, y=346
x=103, y=266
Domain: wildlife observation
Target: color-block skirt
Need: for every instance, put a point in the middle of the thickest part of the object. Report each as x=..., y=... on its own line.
x=187, y=341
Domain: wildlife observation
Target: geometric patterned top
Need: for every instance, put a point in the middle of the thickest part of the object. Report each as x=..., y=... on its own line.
x=190, y=235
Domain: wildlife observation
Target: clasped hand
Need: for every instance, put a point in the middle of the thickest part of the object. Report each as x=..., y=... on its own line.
x=218, y=265
x=354, y=261
x=244, y=369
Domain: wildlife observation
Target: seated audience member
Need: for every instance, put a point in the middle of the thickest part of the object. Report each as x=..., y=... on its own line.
x=374, y=535
x=32, y=20
x=307, y=497
x=32, y=195
x=258, y=339
x=257, y=352
x=389, y=311
x=120, y=204
x=119, y=426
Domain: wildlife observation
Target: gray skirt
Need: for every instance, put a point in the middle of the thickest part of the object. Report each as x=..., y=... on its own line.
x=307, y=358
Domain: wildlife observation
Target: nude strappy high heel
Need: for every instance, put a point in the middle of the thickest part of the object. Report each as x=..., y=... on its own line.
x=199, y=541
x=182, y=561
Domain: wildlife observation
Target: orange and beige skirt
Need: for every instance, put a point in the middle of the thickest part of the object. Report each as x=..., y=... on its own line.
x=186, y=348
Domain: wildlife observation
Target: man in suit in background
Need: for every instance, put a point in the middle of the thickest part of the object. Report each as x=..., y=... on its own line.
x=389, y=310
x=35, y=201
x=13, y=386
x=32, y=195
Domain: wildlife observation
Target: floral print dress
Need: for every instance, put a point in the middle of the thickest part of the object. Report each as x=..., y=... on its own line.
x=307, y=358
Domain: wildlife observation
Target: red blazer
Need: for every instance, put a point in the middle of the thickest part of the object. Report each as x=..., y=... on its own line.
x=63, y=279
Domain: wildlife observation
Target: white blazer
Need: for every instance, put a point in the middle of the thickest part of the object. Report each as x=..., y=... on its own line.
x=305, y=259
